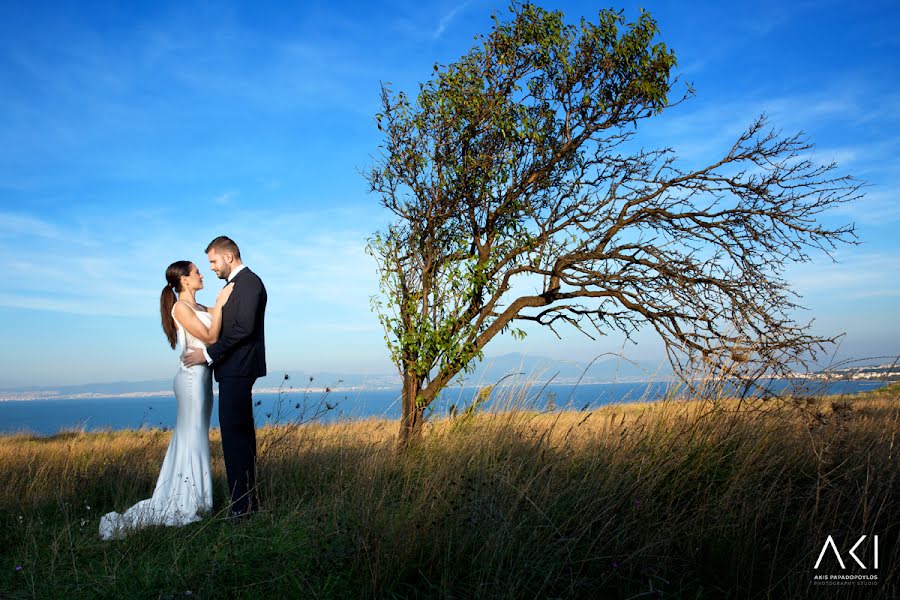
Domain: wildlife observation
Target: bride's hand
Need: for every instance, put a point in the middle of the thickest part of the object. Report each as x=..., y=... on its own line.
x=223, y=296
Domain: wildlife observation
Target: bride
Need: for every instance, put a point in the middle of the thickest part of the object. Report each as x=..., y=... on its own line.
x=184, y=487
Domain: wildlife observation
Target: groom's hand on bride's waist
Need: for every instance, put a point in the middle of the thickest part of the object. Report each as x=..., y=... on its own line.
x=193, y=357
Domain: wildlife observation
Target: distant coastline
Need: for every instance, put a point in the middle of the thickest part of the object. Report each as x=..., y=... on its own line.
x=536, y=370
x=59, y=395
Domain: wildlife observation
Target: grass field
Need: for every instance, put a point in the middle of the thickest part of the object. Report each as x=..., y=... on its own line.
x=712, y=499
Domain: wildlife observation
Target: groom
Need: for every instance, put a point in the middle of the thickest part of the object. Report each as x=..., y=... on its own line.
x=238, y=358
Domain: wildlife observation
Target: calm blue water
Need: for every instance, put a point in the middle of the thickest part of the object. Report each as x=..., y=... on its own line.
x=47, y=417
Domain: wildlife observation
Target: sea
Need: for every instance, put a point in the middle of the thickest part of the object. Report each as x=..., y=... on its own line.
x=44, y=417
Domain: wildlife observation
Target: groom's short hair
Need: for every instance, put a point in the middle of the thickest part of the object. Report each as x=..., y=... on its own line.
x=223, y=243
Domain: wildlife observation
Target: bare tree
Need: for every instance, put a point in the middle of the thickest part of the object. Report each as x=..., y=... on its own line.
x=513, y=165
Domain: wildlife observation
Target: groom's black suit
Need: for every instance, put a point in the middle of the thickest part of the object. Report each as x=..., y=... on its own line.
x=238, y=358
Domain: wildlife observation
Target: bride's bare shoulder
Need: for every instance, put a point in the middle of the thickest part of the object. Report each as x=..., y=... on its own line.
x=183, y=308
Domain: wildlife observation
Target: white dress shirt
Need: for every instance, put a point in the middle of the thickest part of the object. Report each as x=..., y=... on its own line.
x=230, y=277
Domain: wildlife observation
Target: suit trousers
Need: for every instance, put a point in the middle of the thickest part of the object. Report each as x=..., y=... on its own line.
x=239, y=441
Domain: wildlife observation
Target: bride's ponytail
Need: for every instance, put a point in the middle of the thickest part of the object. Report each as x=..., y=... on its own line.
x=167, y=299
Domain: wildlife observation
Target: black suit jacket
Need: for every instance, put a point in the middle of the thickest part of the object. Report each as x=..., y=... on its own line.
x=241, y=348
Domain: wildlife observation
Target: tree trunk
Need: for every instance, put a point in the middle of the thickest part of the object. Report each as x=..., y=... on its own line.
x=411, y=419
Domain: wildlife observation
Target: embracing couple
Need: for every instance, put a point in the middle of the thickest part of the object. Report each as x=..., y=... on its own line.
x=229, y=341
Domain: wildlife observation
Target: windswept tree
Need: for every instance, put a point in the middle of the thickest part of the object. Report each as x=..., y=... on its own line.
x=519, y=163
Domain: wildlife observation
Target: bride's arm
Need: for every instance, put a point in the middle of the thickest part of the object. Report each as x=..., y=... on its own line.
x=193, y=325
x=215, y=328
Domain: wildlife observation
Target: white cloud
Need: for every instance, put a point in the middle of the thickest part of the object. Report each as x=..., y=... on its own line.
x=855, y=275
x=448, y=18
x=224, y=199
x=23, y=225
x=876, y=208
x=308, y=258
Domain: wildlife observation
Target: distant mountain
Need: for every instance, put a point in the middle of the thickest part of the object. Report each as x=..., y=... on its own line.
x=300, y=380
x=115, y=387
x=541, y=368
x=158, y=387
x=492, y=369
x=489, y=371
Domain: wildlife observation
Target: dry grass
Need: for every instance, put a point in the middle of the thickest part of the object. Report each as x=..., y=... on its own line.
x=669, y=499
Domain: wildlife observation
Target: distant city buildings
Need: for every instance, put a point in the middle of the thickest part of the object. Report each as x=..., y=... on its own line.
x=890, y=372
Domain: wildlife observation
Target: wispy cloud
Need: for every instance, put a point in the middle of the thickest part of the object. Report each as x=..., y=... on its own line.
x=869, y=294
x=225, y=198
x=853, y=276
x=874, y=209
x=448, y=18
x=19, y=224
x=313, y=260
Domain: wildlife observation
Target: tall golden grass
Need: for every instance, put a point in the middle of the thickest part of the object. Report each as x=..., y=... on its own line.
x=673, y=499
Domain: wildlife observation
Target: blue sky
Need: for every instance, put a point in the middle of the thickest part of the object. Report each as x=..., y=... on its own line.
x=133, y=134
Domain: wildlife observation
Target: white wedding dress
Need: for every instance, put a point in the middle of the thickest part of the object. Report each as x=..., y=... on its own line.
x=184, y=488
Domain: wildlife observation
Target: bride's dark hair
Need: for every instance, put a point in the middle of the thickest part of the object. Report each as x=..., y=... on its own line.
x=174, y=273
